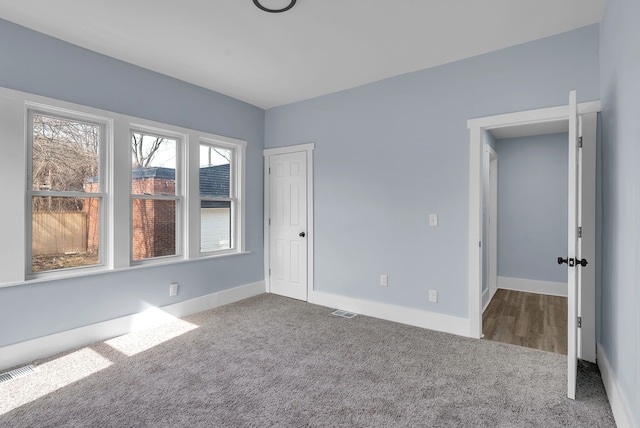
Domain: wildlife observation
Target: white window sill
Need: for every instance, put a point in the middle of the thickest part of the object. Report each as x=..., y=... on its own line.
x=101, y=270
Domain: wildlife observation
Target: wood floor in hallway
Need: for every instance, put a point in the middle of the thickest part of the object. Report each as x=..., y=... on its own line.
x=533, y=320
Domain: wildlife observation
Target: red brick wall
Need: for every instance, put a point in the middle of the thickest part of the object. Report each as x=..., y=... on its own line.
x=154, y=221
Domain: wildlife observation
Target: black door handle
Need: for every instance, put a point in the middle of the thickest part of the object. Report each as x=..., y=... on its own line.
x=302, y=234
x=572, y=262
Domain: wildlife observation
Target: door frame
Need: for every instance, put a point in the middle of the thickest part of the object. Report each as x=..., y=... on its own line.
x=492, y=227
x=477, y=127
x=308, y=148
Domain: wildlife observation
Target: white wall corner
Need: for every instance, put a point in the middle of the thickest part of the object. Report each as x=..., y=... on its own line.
x=395, y=313
x=619, y=406
x=486, y=299
x=42, y=347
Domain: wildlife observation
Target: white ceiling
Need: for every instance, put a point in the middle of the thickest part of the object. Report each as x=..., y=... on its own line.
x=317, y=47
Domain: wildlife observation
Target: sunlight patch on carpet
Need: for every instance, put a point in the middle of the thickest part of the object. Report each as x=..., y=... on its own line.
x=159, y=328
x=50, y=377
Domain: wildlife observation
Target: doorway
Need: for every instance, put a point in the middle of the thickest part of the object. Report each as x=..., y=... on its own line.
x=288, y=220
x=581, y=304
x=490, y=211
x=532, y=229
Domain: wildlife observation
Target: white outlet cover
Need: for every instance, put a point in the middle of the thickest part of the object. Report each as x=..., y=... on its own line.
x=433, y=296
x=173, y=289
x=383, y=280
x=433, y=220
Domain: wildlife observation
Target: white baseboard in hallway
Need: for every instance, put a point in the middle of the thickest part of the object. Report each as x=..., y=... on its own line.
x=42, y=347
x=533, y=286
x=400, y=314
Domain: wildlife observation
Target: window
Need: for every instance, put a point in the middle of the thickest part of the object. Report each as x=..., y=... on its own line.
x=218, y=197
x=155, y=196
x=66, y=190
x=97, y=191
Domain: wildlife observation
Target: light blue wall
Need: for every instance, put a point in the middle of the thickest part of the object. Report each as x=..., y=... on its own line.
x=35, y=63
x=620, y=293
x=389, y=153
x=532, y=207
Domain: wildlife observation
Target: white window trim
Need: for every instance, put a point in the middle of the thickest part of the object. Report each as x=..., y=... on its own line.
x=115, y=160
x=106, y=126
x=181, y=140
x=236, y=193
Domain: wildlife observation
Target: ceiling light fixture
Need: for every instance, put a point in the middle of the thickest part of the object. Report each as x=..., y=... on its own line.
x=284, y=9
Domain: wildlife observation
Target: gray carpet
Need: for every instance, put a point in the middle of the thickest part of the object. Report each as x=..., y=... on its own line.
x=271, y=361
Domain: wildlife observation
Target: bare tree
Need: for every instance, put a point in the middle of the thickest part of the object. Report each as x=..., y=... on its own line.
x=222, y=153
x=143, y=153
x=65, y=156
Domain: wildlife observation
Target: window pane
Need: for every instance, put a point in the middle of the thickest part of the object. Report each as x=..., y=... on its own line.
x=65, y=232
x=215, y=225
x=154, y=228
x=65, y=154
x=153, y=160
x=214, y=171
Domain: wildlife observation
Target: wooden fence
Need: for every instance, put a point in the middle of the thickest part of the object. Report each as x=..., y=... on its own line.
x=59, y=232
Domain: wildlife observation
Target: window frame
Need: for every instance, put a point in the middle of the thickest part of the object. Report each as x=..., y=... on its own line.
x=103, y=195
x=115, y=194
x=181, y=140
x=235, y=183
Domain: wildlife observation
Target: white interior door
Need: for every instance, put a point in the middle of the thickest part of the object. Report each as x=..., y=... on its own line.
x=574, y=251
x=288, y=224
x=587, y=288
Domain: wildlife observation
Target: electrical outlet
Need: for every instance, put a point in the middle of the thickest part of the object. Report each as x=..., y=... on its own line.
x=433, y=220
x=433, y=296
x=383, y=279
x=173, y=289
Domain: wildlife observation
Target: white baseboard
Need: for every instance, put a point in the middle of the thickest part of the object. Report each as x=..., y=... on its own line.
x=42, y=347
x=533, y=286
x=400, y=314
x=619, y=405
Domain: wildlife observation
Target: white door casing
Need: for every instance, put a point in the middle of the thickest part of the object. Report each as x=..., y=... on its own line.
x=492, y=226
x=288, y=221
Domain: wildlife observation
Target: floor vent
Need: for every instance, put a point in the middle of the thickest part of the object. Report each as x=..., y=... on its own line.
x=343, y=314
x=17, y=373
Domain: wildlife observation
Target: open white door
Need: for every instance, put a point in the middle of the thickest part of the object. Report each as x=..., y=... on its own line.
x=581, y=169
x=573, y=259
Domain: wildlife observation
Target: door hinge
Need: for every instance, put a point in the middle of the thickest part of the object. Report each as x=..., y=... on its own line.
x=269, y=222
x=269, y=271
x=479, y=244
x=579, y=231
x=579, y=322
x=579, y=142
x=269, y=170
